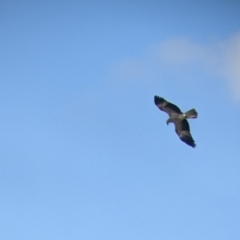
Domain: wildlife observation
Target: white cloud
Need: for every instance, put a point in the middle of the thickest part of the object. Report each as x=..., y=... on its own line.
x=130, y=69
x=180, y=54
x=180, y=51
x=231, y=65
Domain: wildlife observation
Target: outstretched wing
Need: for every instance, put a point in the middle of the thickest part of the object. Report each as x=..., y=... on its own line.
x=166, y=106
x=183, y=131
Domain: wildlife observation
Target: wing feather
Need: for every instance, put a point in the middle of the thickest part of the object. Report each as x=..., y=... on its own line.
x=183, y=131
x=166, y=106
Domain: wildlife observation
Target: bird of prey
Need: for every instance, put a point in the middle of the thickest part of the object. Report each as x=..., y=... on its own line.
x=178, y=118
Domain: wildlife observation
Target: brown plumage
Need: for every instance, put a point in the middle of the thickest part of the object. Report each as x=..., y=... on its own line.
x=178, y=118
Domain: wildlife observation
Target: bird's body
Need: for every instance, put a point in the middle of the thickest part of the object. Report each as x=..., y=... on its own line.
x=178, y=118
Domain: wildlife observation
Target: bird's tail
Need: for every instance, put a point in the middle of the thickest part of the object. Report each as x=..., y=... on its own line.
x=191, y=114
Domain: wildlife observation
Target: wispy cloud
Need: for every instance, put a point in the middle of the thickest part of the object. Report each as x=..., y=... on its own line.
x=221, y=58
x=231, y=65
x=131, y=69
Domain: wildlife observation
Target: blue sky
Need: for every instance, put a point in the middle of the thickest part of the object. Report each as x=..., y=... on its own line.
x=85, y=153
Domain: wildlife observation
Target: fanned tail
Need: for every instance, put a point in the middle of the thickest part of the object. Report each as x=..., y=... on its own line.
x=191, y=113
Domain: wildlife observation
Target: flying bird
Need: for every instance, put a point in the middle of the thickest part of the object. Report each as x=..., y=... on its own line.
x=178, y=118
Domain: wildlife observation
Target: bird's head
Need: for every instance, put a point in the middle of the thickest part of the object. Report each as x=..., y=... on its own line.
x=169, y=121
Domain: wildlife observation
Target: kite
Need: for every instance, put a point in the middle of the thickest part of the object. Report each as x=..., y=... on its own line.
x=178, y=118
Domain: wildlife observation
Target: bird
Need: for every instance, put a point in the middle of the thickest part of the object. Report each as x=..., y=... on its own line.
x=179, y=119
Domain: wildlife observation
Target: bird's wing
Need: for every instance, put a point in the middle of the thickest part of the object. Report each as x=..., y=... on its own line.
x=166, y=106
x=183, y=131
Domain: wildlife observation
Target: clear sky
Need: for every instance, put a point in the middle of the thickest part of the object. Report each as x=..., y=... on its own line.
x=85, y=153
